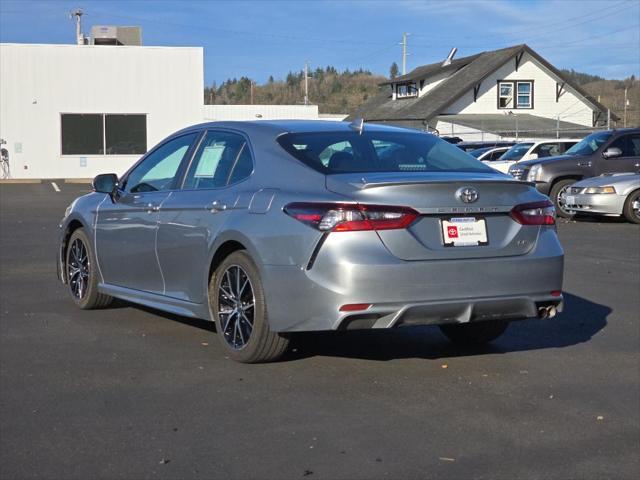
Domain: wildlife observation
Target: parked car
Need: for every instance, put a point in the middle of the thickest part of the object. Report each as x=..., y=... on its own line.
x=610, y=194
x=488, y=154
x=471, y=146
x=610, y=151
x=273, y=227
x=453, y=140
x=531, y=151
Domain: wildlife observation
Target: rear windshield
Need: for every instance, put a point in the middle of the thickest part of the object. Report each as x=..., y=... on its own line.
x=344, y=152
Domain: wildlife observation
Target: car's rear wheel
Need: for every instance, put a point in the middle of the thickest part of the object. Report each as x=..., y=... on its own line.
x=475, y=333
x=631, y=209
x=239, y=309
x=81, y=274
x=558, y=196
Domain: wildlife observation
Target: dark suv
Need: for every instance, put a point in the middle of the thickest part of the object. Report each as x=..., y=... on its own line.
x=610, y=151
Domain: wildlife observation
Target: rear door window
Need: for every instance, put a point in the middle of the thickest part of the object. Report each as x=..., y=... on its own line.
x=222, y=158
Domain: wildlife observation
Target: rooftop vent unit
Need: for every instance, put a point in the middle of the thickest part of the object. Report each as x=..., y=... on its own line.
x=114, y=35
x=450, y=57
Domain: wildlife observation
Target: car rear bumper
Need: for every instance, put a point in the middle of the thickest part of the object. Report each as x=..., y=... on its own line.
x=356, y=268
x=606, y=204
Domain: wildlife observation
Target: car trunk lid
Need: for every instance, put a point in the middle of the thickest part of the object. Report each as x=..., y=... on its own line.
x=436, y=196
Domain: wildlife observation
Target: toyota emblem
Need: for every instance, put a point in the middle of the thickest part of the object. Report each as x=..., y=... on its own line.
x=467, y=194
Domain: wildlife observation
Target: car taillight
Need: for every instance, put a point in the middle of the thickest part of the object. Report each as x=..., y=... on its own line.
x=340, y=217
x=537, y=213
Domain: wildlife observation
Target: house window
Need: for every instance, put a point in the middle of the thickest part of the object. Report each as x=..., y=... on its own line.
x=505, y=95
x=517, y=94
x=100, y=134
x=524, y=94
x=404, y=90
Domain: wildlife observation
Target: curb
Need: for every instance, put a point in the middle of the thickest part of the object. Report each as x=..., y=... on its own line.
x=20, y=180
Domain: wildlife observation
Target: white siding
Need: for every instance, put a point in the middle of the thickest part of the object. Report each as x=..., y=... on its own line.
x=39, y=82
x=571, y=107
x=260, y=112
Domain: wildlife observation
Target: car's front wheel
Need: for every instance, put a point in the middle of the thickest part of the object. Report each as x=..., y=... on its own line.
x=558, y=196
x=631, y=208
x=239, y=309
x=81, y=274
x=475, y=333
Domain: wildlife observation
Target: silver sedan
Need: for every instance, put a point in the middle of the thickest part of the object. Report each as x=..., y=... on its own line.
x=268, y=228
x=613, y=195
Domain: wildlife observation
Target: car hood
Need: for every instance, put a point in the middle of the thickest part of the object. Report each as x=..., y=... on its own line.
x=620, y=179
x=542, y=161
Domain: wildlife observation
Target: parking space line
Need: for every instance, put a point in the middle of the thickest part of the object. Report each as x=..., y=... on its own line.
x=55, y=186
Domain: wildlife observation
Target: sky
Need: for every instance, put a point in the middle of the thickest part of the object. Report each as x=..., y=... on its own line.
x=260, y=38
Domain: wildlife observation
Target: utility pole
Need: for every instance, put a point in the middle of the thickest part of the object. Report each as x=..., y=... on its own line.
x=626, y=102
x=404, y=52
x=306, y=83
x=79, y=36
x=608, y=119
x=251, y=90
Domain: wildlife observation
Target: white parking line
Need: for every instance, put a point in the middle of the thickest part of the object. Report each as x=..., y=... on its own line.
x=55, y=186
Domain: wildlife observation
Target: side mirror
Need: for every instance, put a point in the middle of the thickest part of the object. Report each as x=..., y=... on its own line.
x=105, y=183
x=612, y=152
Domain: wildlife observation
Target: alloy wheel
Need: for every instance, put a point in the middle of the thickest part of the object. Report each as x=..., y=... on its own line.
x=78, y=269
x=562, y=199
x=635, y=207
x=236, y=306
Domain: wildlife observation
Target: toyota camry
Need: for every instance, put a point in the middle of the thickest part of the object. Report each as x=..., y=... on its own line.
x=272, y=227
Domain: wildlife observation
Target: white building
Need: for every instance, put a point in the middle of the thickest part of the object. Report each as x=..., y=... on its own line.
x=502, y=93
x=75, y=111
x=214, y=113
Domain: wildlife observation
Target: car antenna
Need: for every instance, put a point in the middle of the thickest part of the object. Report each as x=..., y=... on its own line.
x=357, y=125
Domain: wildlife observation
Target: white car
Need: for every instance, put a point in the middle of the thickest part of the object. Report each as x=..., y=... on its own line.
x=489, y=154
x=530, y=151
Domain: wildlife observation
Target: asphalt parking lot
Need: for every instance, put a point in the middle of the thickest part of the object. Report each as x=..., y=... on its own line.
x=133, y=393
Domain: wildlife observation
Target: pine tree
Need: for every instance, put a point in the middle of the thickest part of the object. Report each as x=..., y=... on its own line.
x=393, y=70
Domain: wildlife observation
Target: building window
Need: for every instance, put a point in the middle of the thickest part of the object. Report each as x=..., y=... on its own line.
x=100, y=134
x=521, y=90
x=82, y=135
x=505, y=95
x=404, y=90
x=524, y=94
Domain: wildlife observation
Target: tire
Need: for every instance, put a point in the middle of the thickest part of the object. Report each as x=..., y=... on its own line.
x=631, y=209
x=556, y=194
x=475, y=333
x=81, y=274
x=243, y=330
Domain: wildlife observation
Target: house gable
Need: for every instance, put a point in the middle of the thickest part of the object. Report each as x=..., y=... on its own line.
x=551, y=95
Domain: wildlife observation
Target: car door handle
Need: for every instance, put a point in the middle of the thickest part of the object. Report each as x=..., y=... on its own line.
x=152, y=207
x=217, y=206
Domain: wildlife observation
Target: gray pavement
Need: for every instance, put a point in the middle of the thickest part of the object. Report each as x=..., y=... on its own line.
x=133, y=393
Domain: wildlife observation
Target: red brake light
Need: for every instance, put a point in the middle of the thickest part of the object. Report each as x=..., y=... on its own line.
x=340, y=217
x=537, y=213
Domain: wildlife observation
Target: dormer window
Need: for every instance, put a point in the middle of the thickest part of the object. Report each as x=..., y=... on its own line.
x=405, y=90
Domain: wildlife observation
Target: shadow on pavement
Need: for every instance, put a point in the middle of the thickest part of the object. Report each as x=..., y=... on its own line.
x=580, y=321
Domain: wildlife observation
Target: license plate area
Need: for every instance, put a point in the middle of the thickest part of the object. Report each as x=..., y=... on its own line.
x=464, y=232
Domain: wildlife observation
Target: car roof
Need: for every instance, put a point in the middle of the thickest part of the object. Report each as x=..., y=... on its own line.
x=296, y=126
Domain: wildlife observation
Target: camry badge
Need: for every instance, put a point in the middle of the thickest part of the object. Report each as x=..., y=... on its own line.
x=467, y=194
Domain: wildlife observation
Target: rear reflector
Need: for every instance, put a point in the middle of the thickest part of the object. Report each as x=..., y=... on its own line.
x=556, y=293
x=340, y=217
x=354, y=307
x=537, y=213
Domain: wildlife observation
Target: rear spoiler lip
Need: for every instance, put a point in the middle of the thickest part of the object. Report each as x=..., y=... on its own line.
x=363, y=185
